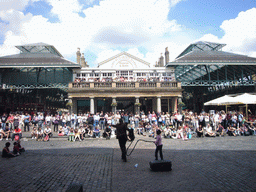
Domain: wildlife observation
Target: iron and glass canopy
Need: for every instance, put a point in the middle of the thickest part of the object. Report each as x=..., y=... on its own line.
x=205, y=64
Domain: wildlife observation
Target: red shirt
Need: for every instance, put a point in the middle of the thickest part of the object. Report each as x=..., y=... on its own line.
x=17, y=130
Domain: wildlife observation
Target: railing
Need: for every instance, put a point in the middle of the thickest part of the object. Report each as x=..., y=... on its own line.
x=125, y=85
x=102, y=85
x=147, y=84
x=169, y=84
x=81, y=85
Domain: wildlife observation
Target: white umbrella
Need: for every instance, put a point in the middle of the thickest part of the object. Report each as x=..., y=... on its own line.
x=246, y=99
x=224, y=100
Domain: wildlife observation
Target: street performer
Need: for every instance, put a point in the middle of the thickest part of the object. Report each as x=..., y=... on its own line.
x=121, y=132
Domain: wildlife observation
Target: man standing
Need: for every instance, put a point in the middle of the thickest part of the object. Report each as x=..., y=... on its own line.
x=26, y=122
x=121, y=129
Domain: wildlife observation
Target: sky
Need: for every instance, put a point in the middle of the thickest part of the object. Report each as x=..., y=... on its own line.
x=143, y=28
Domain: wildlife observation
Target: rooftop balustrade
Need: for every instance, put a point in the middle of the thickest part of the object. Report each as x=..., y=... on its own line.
x=124, y=85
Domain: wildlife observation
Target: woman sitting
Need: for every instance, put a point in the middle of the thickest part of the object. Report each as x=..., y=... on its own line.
x=200, y=131
x=107, y=132
x=40, y=134
x=231, y=131
x=209, y=132
x=180, y=133
x=34, y=133
x=61, y=131
x=96, y=132
x=220, y=130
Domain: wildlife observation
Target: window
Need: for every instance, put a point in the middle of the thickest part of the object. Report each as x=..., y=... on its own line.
x=84, y=74
x=164, y=74
x=124, y=73
x=152, y=74
x=104, y=74
x=143, y=74
x=91, y=74
x=96, y=74
x=131, y=73
x=78, y=74
x=138, y=74
x=110, y=74
x=169, y=74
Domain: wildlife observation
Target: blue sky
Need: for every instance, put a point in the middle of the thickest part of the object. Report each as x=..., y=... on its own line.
x=143, y=28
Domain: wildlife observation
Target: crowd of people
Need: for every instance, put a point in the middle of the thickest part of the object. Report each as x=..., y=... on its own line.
x=184, y=125
x=124, y=79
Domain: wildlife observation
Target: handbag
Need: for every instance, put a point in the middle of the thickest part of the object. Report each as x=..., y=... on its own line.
x=17, y=138
x=46, y=138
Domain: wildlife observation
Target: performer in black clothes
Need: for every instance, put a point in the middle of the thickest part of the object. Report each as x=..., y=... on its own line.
x=121, y=133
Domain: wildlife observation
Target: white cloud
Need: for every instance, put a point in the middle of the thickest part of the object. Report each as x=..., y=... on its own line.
x=18, y=5
x=105, y=27
x=239, y=33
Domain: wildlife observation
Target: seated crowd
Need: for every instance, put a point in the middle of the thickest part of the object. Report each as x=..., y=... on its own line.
x=173, y=125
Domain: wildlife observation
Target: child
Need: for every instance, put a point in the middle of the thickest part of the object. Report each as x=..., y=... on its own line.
x=71, y=135
x=159, y=145
x=16, y=149
x=6, y=152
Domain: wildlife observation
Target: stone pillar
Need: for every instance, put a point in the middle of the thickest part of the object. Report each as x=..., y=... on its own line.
x=137, y=107
x=158, y=104
x=114, y=107
x=74, y=106
x=174, y=104
x=92, y=105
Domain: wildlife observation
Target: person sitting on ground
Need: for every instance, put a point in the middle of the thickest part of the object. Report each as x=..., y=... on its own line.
x=140, y=129
x=200, y=131
x=48, y=131
x=231, y=131
x=7, y=132
x=82, y=132
x=21, y=149
x=96, y=132
x=71, y=135
x=180, y=133
x=39, y=134
x=148, y=127
x=61, y=131
x=220, y=130
x=209, y=132
x=107, y=132
x=6, y=152
x=77, y=134
x=173, y=133
x=16, y=132
x=167, y=132
x=16, y=149
x=2, y=134
x=65, y=129
x=34, y=133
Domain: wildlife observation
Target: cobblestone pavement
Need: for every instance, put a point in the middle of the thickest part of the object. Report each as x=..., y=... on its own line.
x=200, y=164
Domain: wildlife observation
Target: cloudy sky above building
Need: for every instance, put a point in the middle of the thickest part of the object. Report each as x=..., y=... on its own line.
x=143, y=28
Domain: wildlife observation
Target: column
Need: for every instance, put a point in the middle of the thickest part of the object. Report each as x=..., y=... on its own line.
x=74, y=105
x=92, y=105
x=174, y=104
x=114, y=104
x=137, y=104
x=158, y=104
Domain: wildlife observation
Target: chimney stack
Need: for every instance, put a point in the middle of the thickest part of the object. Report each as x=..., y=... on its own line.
x=161, y=64
x=83, y=63
x=166, y=56
x=78, y=56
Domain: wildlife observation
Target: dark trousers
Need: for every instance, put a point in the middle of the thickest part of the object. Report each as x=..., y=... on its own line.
x=159, y=148
x=122, y=141
x=26, y=125
x=13, y=135
x=55, y=127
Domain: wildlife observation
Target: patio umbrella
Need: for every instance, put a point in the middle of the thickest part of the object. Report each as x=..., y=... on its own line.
x=246, y=99
x=224, y=100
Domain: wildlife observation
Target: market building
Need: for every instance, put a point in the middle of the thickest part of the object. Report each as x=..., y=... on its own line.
x=125, y=83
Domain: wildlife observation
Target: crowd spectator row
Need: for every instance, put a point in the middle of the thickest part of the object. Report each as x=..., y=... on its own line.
x=124, y=79
x=173, y=125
